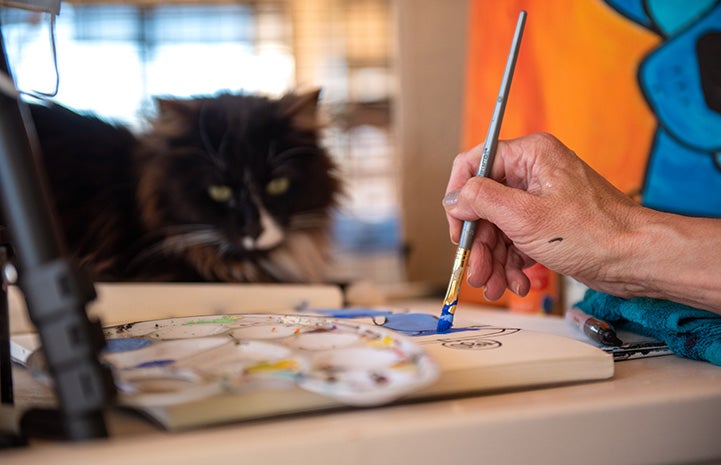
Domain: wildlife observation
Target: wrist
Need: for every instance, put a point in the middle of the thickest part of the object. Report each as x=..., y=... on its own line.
x=669, y=256
x=641, y=256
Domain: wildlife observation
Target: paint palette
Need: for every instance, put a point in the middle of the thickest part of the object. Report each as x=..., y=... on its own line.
x=171, y=361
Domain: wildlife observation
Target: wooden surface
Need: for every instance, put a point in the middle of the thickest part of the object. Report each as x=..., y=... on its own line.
x=663, y=410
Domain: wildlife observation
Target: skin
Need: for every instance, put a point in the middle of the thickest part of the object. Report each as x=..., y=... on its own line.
x=543, y=204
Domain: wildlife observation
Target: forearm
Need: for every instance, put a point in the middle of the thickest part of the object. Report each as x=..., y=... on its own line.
x=672, y=257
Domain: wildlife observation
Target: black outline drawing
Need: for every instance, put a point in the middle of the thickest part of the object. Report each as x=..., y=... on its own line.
x=481, y=338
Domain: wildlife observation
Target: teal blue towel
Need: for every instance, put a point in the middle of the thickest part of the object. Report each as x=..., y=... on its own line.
x=688, y=332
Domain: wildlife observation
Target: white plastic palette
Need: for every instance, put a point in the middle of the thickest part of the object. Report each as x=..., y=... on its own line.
x=179, y=360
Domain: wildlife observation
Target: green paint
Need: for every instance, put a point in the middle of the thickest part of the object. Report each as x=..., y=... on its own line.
x=222, y=320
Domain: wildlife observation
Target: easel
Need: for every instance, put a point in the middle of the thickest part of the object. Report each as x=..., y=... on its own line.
x=55, y=290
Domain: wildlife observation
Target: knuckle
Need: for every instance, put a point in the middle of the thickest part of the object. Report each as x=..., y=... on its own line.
x=545, y=138
x=461, y=160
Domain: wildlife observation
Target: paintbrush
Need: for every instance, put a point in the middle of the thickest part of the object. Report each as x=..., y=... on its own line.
x=484, y=169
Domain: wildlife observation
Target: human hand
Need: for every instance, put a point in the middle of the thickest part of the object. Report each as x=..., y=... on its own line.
x=541, y=204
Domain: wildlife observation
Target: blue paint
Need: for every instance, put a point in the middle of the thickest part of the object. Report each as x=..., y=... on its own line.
x=360, y=312
x=155, y=363
x=125, y=344
x=446, y=320
x=676, y=79
x=410, y=324
x=416, y=324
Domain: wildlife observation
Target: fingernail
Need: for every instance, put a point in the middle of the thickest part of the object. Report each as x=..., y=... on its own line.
x=485, y=295
x=451, y=198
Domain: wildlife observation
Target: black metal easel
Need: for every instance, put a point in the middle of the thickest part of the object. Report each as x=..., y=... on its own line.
x=55, y=290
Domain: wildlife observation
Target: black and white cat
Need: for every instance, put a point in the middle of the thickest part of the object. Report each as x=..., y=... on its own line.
x=232, y=188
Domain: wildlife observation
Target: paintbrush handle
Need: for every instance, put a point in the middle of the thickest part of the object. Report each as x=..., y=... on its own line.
x=467, y=233
x=494, y=129
x=459, y=266
x=450, y=302
x=489, y=146
x=445, y=321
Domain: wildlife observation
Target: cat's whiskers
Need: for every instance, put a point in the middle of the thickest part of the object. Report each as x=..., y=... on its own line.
x=177, y=239
x=180, y=242
x=300, y=258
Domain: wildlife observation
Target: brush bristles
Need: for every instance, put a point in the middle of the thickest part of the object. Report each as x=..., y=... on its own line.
x=444, y=324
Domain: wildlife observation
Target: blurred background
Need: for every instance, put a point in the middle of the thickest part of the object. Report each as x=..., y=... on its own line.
x=407, y=84
x=112, y=58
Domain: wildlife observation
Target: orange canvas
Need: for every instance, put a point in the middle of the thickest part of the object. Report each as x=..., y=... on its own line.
x=575, y=78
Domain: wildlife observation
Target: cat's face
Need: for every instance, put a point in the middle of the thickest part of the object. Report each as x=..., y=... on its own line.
x=239, y=187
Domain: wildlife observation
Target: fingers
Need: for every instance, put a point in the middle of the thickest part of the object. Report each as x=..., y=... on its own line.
x=481, y=262
x=514, y=161
x=484, y=270
x=496, y=265
x=454, y=225
x=517, y=280
x=464, y=167
x=504, y=206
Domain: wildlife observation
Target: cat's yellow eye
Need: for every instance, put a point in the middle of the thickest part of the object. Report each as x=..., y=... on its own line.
x=278, y=186
x=220, y=193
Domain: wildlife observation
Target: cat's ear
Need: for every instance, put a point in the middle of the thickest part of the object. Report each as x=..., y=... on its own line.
x=174, y=115
x=176, y=108
x=302, y=108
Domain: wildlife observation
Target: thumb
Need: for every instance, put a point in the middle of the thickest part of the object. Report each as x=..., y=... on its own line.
x=484, y=198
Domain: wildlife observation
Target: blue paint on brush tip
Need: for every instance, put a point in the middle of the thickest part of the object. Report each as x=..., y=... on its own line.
x=444, y=323
x=446, y=320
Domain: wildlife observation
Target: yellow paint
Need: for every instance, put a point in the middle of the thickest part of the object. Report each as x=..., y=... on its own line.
x=280, y=365
x=382, y=343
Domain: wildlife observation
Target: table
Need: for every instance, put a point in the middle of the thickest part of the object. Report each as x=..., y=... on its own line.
x=662, y=410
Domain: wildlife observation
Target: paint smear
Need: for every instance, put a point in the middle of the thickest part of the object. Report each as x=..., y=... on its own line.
x=353, y=312
x=410, y=324
x=287, y=365
x=266, y=331
x=223, y=320
x=447, y=308
x=177, y=360
x=418, y=324
x=155, y=363
x=177, y=349
x=124, y=345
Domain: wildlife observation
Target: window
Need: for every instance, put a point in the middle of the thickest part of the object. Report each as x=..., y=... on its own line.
x=113, y=58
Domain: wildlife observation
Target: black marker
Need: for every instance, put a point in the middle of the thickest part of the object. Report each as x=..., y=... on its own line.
x=597, y=330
